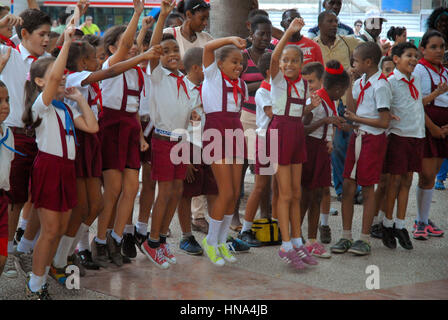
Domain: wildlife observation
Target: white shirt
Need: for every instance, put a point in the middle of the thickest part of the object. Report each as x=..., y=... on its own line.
x=6, y=156
x=170, y=109
x=319, y=114
x=113, y=88
x=410, y=111
x=184, y=44
x=144, y=96
x=422, y=73
x=48, y=136
x=195, y=132
x=279, y=95
x=212, y=91
x=75, y=80
x=377, y=96
x=262, y=100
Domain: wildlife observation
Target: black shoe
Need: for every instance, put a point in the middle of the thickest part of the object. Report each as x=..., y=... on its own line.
x=376, y=231
x=19, y=234
x=339, y=197
x=358, y=198
x=100, y=255
x=85, y=257
x=140, y=239
x=128, y=248
x=389, y=238
x=114, y=249
x=248, y=236
x=360, y=248
x=74, y=260
x=342, y=246
x=403, y=238
x=126, y=259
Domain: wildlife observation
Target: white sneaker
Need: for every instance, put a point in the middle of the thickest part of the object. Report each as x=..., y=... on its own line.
x=10, y=270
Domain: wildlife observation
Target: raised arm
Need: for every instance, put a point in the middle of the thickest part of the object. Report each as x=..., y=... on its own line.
x=147, y=23
x=127, y=39
x=58, y=68
x=295, y=26
x=32, y=4
x=209, y=49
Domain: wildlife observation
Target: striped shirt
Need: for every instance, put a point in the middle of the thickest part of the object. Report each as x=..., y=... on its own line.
x=251, y=75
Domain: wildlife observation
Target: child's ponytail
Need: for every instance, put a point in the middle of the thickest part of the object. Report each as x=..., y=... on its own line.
x=32, y=90
x=335, y=75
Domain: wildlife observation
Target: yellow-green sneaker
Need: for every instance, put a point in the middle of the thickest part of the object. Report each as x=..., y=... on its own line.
x=225, y=253
x=212, y=253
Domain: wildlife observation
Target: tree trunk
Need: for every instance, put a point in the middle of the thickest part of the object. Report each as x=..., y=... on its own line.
x=228, y=18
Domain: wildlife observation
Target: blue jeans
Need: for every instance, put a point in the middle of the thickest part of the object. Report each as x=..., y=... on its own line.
x=441, y=176
x=340, y=145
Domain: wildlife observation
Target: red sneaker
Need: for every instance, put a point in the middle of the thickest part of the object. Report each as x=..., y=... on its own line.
x=167, y=253
x=421, y=232
x=433, y=230
x=155, y=255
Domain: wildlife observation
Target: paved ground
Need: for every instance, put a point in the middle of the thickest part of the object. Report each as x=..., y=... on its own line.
x=418, y=274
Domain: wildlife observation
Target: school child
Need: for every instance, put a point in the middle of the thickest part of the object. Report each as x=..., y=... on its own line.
x=121, y=141
x=387, y=65
x=33, y=33
x=318, y=124
x=6, y=156
x=367, y=146
x=53, y=180
x=434, y=78
x=262, y=179
x=171, y=105
x=289, y=93
x=199, y=177
x=405, y=142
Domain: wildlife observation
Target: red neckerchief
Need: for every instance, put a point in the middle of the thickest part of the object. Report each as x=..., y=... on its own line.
x=180, y=82
x=98, y=96
x=363, y=90
x=293, y=85
x=30, y=56
x=425, y=63
x=324, y=95
x=144, y=69
x=412, y=88
x=265, y=85
x=382, y=76
x=141, y=79
x=236, y=87
x=199, y=88
x=8, y=41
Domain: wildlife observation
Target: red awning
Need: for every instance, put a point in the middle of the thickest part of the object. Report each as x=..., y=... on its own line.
x=104, y=3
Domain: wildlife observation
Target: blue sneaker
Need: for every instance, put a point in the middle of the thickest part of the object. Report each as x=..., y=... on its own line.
x=191, y=246
x=439, y=185
x=237, y=245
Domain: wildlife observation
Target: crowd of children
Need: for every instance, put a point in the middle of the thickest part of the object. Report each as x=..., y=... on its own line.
x=76, y=127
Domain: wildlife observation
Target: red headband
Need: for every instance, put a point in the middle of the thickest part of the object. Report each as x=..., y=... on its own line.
x=335, y=71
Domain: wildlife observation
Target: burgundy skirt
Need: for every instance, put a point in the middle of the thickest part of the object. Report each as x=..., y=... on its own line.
x=53, y=183
x=223, y=137
x=316, y=171
x=3, y=214
x=145, y=157
x=290, y=142
x=436, y=148
x=163, y=169
x=88, y=162
x=120, y=139
x=403, y=155
x=19, y=177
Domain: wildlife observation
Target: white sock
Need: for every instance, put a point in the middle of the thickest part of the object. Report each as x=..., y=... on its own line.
x=388, y=223
x=129, y=228
x=60, y=258
x=84, y=243
x=100, y=241
x=142, y=228
x=47, y=269
x=247, y=225
x=11, y=246
x=287, y=246
x=25, y=245
x=116, y=237
x=79, y=234
x=347, y=234
x=224, y=230
x=381, y=215
x=23, y=223
x=375, y=220
x=399, y=224
x=365, y=237
x=213, y=232
x=424, y=198
x=297, y=242
x=36, y=282
x=324, y=219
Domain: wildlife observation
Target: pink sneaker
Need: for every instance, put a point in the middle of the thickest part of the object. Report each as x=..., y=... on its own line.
x=303, y=254
x=318, y=250
x=433, y=230
x=155, y=255
x=167, y=253
x=292, y=258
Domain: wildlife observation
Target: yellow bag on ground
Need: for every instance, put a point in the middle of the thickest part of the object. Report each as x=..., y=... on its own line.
x=267, y=231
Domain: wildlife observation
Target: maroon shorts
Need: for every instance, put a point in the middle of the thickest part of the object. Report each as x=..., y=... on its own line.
x=88, y=162
x=436, y=148
x=120, y=139
x=204, y=181
x=316, y=171
x=4, y=247
x=228, y=127
x=162, y=168
x=53, y=183
x=404, y=154
x=19, y=177
x=371, y=158
x=145, y=157
x=291, y=140
x=3, y=215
